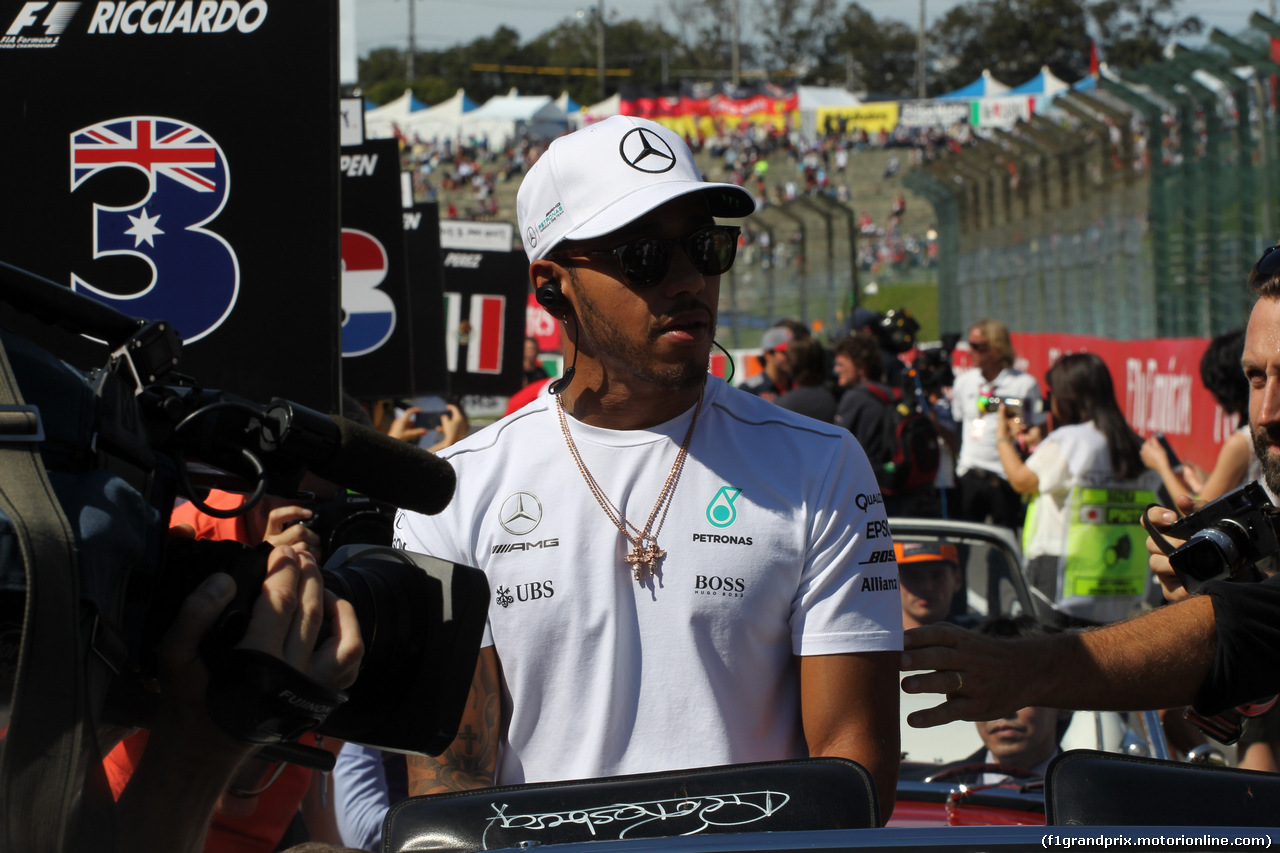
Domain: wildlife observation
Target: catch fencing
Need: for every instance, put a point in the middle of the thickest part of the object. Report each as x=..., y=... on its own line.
x=1135, y=209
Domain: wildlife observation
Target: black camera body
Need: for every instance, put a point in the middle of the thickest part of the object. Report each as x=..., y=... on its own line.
x=1226, y=539
x=351, y=519
x=933, y=368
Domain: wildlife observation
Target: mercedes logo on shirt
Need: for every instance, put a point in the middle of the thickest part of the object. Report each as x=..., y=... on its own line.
x=520, y=513
x=646, y=151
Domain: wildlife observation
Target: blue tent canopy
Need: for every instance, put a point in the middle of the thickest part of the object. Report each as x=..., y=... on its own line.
x=1044, y=83
x=985, y=86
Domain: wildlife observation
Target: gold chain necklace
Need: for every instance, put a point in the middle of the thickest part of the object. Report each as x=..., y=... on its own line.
x=645, y=554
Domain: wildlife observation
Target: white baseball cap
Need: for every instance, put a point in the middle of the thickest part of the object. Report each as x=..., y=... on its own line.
x=608, y=174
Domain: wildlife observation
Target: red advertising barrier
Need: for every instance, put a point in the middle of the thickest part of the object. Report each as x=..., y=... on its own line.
x=1157, y=383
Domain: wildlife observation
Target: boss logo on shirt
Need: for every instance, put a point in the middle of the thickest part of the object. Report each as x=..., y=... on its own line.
x=719, y=585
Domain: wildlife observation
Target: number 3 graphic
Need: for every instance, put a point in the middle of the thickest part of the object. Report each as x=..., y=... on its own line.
x=369, y=314
x=195, y=275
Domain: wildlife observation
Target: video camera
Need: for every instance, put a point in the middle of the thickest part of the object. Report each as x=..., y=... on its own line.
x=933, y=368
x=1225, y=540
x=119, y=445
x=897, y=331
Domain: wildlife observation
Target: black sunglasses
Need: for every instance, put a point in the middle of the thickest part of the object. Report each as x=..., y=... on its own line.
x=1269, y=264
x=645, y=260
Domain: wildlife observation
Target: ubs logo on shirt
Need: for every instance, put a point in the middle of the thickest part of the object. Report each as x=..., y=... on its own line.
x=533, y=591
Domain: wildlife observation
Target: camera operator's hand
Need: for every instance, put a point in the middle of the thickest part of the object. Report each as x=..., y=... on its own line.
x=1161, y=519
x=403, y=428
x=287, y=617
x=189, y=760
x=454, y=426
x=283, y=529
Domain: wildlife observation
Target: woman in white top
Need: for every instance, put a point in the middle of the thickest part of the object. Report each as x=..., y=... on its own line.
x=1223, y=377
x=1091, y=446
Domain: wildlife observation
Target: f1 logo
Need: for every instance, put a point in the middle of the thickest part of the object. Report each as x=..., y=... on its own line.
x=54, y=22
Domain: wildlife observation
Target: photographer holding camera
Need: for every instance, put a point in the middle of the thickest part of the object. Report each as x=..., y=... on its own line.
x=1216, y=649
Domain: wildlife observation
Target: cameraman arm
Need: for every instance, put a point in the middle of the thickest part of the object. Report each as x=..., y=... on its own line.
x=471, y=760
x=188, y=761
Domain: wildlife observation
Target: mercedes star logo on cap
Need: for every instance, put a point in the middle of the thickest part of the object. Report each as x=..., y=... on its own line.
x=645, y=151
x=520, y=513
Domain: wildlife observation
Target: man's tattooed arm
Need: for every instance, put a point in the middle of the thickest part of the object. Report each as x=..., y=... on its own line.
x=470, y=761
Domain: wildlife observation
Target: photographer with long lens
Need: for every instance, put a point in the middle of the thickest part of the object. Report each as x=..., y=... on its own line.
x=1215, y=649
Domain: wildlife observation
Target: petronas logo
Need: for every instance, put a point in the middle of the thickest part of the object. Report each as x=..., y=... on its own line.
x=720, y=511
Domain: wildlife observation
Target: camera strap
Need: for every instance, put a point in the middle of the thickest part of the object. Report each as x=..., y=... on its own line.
x=50, y=726
x=259, y=698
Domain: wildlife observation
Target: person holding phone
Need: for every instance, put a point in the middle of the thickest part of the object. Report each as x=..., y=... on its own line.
x=414, y=422
x=1236, y=464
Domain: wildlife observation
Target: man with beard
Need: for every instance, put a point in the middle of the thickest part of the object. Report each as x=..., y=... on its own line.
x=684, y=575
x=1213, y=650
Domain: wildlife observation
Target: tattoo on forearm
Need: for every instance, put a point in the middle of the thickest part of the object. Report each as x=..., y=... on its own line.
x=470, y=761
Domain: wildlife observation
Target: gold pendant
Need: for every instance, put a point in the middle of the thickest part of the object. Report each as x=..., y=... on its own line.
x=645, y=560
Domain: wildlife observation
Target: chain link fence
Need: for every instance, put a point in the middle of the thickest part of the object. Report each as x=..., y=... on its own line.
x=1134, y=210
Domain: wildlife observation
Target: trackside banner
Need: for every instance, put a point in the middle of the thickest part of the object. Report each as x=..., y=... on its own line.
x=1157, y=384
x=153, y=167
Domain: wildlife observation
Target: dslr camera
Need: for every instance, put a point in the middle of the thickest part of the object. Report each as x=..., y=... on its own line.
x=1226, y=539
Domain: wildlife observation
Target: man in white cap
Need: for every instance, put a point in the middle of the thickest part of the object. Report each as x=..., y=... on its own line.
x=683, y=575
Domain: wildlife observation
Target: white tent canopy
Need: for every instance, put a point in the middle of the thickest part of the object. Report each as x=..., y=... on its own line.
x=601, y=110
x=504, y=118
x=381, y=122
x=813, y=97
x=441, y=122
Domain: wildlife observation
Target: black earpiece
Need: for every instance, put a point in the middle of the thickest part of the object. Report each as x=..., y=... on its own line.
x=550, y=297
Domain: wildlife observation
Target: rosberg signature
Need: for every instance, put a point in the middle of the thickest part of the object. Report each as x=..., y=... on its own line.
x=701, y=812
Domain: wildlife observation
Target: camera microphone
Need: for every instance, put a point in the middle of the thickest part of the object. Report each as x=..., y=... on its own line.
x=362, y=459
